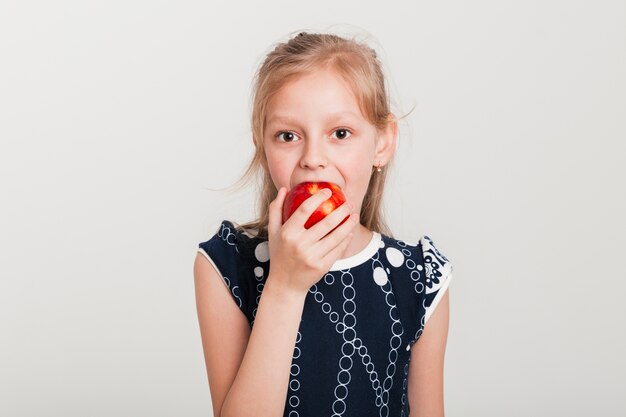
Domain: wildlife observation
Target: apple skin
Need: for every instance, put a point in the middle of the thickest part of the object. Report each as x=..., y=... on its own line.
x=304, y=190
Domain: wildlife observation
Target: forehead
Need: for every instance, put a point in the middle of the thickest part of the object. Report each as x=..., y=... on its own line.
x=321, y=93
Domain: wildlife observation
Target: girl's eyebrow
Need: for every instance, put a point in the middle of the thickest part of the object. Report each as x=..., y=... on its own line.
x=330, y=117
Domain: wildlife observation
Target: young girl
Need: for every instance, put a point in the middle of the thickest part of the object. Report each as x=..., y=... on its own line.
x=297, y=323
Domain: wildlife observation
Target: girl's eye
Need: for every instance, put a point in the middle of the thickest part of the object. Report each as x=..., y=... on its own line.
x=343, y=135
x=291, y=136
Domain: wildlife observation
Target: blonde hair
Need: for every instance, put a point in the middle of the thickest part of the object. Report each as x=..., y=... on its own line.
x=359, y=66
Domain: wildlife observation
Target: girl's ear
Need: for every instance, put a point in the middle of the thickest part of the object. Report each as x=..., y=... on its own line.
x=386, y=143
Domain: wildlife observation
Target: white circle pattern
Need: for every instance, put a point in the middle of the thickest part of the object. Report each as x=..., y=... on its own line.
x=352, y=343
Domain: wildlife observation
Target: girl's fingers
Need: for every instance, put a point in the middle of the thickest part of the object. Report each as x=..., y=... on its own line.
x=275, y=218
x=328, y=223
x=308, y=206
x=329, y=244
x=337, y=250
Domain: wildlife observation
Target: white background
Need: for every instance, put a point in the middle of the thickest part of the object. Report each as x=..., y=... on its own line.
x=117, y=116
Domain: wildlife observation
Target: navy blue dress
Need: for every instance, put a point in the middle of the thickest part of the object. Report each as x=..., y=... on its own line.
x=358, y=324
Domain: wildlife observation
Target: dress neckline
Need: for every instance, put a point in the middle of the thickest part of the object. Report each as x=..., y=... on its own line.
x=358, y=258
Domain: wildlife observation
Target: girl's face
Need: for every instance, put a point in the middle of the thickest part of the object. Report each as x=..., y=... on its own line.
x=316, y=132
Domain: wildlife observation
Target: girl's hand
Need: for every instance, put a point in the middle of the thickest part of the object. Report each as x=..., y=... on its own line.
x=300, y=257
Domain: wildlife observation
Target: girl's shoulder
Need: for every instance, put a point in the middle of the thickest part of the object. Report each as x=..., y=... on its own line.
x=242, y=262
x=232, y=238
x=424, y=246
x=437, y=274
x=433, y=252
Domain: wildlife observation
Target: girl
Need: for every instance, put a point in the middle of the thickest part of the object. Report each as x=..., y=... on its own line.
x=338, y=325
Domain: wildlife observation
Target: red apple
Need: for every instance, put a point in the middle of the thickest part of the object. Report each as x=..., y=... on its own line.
x=304, y=190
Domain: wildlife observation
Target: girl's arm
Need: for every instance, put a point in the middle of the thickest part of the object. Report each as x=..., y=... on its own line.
x=425, y=386
x=248, y=370
x=224, y=330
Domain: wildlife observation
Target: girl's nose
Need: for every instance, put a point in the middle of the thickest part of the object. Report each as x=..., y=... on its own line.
x=314, y=155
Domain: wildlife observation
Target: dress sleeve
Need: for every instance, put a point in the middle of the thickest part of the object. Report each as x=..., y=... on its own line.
x=438, y=274
x=223, y=251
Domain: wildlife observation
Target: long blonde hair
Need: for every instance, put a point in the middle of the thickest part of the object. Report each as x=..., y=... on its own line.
x=359, y=66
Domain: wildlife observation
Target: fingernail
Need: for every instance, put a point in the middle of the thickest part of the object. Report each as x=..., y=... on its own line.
x=350, y=206
x=328, y=192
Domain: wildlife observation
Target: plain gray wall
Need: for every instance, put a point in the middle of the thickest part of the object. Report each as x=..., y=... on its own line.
x=116, y=116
